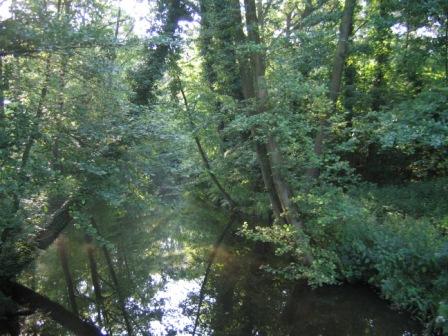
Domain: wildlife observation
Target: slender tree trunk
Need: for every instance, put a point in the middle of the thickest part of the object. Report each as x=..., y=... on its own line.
x=206, y=33
x=57, y=163
x=61, y=244
x=349, y=91
x=252, y=75
x=267, y=174
x=336, y=77
x=2, y=91
x=116, y=283
x=208, y=271
x=217, y=36
x=381, y=59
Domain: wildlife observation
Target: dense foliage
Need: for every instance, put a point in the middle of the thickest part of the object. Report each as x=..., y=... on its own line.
x=320, y=128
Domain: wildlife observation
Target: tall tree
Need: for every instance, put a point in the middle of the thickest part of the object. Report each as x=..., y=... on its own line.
x=345, y=29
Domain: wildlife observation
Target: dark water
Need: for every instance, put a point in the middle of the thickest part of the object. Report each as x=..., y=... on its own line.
x=344, y=310
x=244, y=300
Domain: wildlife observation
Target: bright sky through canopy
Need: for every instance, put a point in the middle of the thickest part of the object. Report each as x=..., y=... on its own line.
x=139, y=11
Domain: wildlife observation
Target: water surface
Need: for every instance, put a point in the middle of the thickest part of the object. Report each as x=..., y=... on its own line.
x=243, y=300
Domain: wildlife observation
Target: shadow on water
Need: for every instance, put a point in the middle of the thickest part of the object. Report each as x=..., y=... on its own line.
x=344, y=310
x=244, y=300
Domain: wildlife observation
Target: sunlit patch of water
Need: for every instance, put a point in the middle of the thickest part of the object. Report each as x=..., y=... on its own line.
x=173, y=321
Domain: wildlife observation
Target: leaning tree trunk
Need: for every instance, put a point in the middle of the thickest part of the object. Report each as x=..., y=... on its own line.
x=28, y=298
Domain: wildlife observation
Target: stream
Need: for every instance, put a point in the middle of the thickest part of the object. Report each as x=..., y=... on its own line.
x=242, y=300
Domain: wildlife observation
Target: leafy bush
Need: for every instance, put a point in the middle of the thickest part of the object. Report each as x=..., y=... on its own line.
x=391, y=238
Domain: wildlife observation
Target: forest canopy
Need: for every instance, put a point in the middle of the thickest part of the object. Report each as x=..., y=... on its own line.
x=313, y=132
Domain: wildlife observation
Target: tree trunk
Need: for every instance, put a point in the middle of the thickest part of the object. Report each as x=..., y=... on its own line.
x=56, y=223
x=381, y=58
x=34, y=301
x=268, y=153
x=336, y=77
x=61, y=244
x=2, y=91
x=345, y=30
x=349, y=92
x=121, y=299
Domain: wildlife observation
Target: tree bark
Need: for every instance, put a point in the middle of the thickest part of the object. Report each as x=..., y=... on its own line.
x=157, y=55
x=249, y=71
x=345, y=30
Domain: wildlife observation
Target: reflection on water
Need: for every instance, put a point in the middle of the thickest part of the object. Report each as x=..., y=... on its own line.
x=344, y=310
x=173, y=321
x=243, y=300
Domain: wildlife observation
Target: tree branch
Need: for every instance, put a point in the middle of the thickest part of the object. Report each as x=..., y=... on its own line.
x=26, y=297
x=58, y=221
x=204, y=157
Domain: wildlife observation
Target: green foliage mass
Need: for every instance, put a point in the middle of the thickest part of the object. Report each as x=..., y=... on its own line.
x=393, y=238
x=320, y=132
